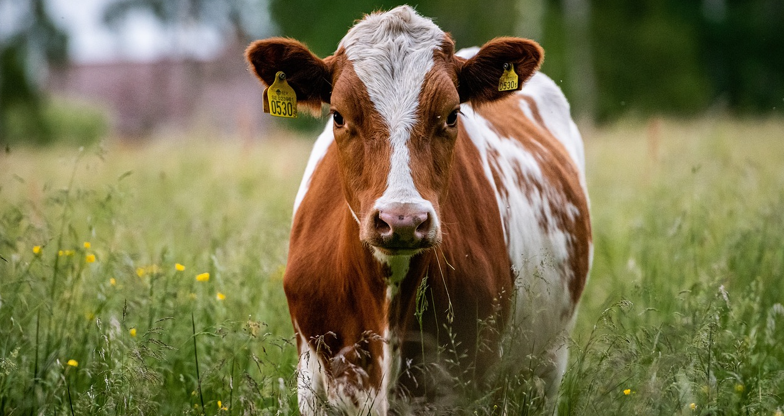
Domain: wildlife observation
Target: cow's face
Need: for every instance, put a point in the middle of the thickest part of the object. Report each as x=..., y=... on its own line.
x=394, y=89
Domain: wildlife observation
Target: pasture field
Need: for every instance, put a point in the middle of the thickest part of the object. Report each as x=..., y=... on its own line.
x=146, y=279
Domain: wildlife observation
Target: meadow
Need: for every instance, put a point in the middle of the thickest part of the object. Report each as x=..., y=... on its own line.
x=145, y=278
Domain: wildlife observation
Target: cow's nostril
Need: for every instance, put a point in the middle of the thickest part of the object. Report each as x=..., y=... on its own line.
x=381, y=226
x=424, y=225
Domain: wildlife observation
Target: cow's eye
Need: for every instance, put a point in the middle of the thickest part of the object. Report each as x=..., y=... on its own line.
x=451, y=121
x=338, y=119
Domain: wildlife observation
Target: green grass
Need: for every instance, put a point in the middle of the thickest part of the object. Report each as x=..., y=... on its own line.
x=683, y=305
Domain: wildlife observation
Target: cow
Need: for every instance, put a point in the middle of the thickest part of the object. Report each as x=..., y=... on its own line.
x=441, y=233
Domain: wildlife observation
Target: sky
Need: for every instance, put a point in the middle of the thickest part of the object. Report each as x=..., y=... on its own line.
x=139, y=38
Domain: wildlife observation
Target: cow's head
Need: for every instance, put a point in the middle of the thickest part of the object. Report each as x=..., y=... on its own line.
x=394, y=89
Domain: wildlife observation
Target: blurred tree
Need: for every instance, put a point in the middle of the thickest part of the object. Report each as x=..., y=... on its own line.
x=647, y=59
x=29, y=43
x=530, y=19
x=579, y=53
x=742, y=47
x=246, y=19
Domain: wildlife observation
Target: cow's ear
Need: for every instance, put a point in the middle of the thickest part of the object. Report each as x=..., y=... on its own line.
x=309, y=76
x=479, y=76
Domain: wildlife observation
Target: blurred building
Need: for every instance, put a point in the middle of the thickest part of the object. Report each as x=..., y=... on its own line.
x=141, y=98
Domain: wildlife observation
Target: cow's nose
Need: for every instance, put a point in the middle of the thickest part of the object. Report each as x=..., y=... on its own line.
x=402, y=226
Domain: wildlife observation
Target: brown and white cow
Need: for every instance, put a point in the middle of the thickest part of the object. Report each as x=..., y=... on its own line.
x=436, y=218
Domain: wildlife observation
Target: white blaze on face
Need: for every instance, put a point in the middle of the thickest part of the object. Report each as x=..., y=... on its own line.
x=391, y=54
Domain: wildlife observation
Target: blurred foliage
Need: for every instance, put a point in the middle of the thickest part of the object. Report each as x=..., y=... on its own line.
x=680, y=58
x=29, y=42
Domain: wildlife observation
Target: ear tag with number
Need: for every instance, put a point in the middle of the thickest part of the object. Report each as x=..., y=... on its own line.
x=280, y=100
x=508, y=81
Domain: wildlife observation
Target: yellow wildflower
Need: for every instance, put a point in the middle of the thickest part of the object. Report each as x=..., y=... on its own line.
x=132, y=332
x=692, y=406
x=140, y=271
x=73, y=363
x=113, y=281
x=37, y=249
x=179, y=267
x=739, y=388
x=60, y=253
x=221, y=406
x=69, y=252
x=627, y=392
x=86, y=244
x=90, y=258
x=220, y=296
x=204, y=277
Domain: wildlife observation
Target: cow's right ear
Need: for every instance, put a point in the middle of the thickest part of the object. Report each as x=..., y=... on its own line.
x=309, y=76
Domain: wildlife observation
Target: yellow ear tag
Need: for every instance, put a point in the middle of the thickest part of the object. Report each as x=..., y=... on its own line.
x=280, y=98
x=508, y=81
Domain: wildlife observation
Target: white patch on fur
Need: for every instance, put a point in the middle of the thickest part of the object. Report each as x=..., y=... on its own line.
x=391, y=53
x=399, y=266
x=390, y=361
x=311, y=377
x=320, y=148
x=467, y=53
x=539, y=255
x=342, y=395
x=315, y=388
x=390, y=364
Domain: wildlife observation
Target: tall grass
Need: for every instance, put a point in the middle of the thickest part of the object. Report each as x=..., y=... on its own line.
x=682, y=313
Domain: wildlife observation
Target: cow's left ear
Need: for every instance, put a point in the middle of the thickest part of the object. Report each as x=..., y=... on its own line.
x=479, y=76
x=309, y=76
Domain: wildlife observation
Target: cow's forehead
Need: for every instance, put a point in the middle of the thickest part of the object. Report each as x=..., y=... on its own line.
x=401, y=25
x=391, y=53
